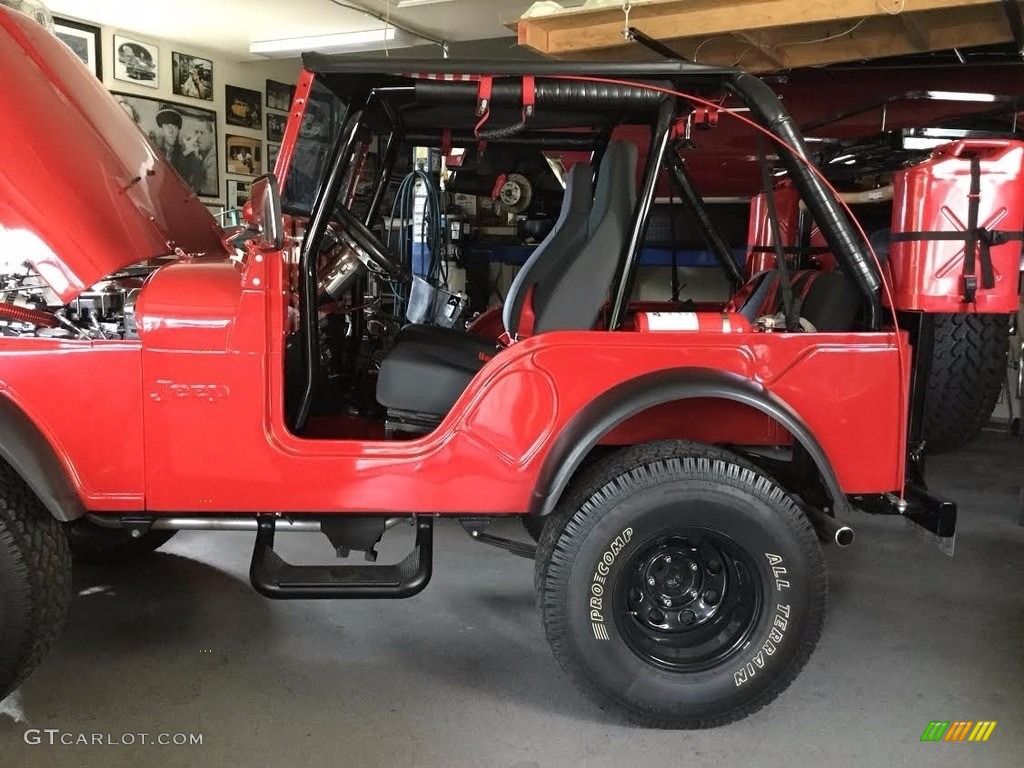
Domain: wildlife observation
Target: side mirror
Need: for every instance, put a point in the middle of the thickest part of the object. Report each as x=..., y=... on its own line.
x=266, y=210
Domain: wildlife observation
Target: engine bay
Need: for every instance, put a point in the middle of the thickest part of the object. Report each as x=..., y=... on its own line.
x=106, y=311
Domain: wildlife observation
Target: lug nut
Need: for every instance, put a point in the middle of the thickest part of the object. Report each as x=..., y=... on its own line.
x=693, y=566
x=687, y=617
x=655, y=616
x=668, y=558
x=651, y=581
x=667, y=602
x=693, y=593
x=136, y=533
x=711, y=597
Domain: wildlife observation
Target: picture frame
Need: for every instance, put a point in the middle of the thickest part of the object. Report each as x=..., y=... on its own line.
x=273, y=150
x=243, y=107
x=243, y=155
x=280, y=95
x=191, y=76
x=136, y=62
x=192, y=149
x=275, y=127
x=239, y=193
x=84, y=39
x=318, y=119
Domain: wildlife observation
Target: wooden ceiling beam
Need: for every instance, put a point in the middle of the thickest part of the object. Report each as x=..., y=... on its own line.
x=574, y=31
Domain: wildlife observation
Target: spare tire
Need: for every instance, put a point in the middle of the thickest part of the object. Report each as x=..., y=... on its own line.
x=968, y=370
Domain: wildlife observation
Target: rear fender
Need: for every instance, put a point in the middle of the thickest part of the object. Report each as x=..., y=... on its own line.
x=29, y=453
x=615, y=406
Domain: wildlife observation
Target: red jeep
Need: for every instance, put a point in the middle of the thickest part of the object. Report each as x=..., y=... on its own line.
x=678, y=465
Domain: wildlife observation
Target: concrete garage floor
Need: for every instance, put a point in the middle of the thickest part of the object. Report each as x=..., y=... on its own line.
x=461, y=675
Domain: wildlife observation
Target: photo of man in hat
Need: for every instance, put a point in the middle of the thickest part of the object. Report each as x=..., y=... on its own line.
x=167, y=135
x=185, y=135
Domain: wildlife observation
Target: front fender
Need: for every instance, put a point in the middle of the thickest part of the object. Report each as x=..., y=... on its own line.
x=28, y=452
x=615, y=406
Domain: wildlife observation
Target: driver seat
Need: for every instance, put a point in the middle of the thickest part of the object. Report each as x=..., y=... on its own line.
x=562, y=286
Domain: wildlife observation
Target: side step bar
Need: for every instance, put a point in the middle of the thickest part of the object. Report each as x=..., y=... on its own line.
x=274, y=577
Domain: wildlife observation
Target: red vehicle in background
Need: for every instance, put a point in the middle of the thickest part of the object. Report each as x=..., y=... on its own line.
x=679, y=468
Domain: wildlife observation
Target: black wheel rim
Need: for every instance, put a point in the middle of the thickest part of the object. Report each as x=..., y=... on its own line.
x=688, y=599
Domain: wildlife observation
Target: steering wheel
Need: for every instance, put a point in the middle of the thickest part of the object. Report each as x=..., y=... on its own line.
x=368, y=248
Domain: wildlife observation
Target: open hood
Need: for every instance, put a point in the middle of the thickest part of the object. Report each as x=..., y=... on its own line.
x=83, y=193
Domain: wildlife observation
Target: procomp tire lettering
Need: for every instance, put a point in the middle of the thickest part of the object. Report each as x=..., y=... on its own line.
x=599, y=581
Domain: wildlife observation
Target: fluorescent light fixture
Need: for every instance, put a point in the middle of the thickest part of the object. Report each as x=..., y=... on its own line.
x=959, y=96
x=414, y=3
x=342, y=42
x=920, y=142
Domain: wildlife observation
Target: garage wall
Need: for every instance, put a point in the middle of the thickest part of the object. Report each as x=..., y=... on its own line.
x=227, y=70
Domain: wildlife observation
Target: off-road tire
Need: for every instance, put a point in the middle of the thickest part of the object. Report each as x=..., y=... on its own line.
x=617, y=508
x=968, y=371
x=35, y=580
x=96, y=545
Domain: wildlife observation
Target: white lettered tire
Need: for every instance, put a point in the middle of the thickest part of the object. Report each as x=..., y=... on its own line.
x=679, y=586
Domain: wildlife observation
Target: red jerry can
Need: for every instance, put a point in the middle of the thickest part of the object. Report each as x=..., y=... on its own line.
x=957, y=221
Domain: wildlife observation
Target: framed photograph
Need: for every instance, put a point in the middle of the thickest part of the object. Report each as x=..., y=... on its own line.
x=244, y=155
x=84, y=40
x=185, y=135
x=244, y=107
x=275, y=126
x=192, y=76
x=272, y=152
x=318, y=120
x=136, y=62
x=239, y=193
x=280, y=95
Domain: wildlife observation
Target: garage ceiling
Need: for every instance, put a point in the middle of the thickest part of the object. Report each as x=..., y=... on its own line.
x=764, y=35
x=230, y=25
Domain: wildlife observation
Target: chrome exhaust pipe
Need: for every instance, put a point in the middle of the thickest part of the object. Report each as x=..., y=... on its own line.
x=829, y=530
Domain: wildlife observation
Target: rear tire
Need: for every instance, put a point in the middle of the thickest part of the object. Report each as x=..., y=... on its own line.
x=968, y=371
x=680, y=587
x=94, y=544
x=35, y=580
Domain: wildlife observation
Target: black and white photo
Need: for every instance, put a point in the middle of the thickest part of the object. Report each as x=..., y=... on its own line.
x=192, y=75
x=275, y=126
x=318, y=120
x=272, y=152
x=186, y=135
x=136, y=62
x=84, y=40
x=244, y=107
x=244, y=155
x=239, y=193
x=279, y=95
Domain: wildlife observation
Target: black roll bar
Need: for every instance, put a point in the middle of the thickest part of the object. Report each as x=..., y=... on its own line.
x=622, y=285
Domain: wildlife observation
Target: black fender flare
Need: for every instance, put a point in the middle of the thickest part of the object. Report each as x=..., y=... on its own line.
x=625, y=400
x=29, y=454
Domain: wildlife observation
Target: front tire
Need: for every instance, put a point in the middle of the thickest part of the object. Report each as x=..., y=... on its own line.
x=679, y=586
x=35, y=580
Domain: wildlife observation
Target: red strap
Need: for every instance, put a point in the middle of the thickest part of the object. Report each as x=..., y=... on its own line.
x=483, y=95
x=446, y=141
x=529, y=95
x=498, y=184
